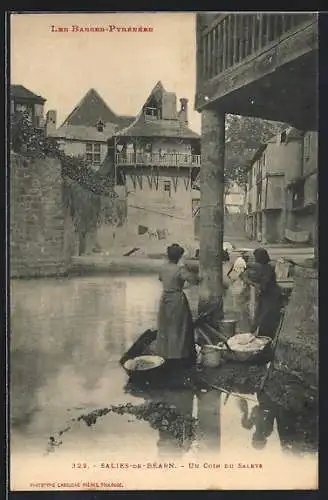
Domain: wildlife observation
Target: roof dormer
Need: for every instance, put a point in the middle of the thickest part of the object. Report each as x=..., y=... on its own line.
x=100, y=126
x=153, y=109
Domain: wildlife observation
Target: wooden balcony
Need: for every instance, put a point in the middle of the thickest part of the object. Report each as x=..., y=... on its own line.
x=156, y=159
x=248, y=63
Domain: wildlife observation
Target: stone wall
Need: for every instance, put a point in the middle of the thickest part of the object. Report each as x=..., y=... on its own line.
x=42, y=238
x=298, y=346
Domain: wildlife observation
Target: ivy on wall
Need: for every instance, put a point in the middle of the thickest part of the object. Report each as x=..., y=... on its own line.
x=82, y=187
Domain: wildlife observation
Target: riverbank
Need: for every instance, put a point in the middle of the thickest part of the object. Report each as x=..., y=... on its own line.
x=98, y=263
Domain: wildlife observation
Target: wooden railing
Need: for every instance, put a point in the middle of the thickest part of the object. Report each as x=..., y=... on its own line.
x=166, y=160
x=232, y=38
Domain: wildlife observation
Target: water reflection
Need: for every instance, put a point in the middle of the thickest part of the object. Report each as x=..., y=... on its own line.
x=197, y=419
x=265, y=423
x=67, y=337
x=296, y=431
x=209, y=421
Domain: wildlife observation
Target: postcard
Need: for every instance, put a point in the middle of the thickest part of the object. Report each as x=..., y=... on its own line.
x=163, y=251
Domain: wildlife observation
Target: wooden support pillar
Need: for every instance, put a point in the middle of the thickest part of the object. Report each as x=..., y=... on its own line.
x=212, y=212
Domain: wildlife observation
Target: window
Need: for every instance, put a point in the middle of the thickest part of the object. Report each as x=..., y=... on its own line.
x=151, y=113
x=298, y=195
x=93, y=150
x=250, y=179
x=120, y=177
x=307, y=147
x=195, y=207
x=100, y=126
x=167, y=187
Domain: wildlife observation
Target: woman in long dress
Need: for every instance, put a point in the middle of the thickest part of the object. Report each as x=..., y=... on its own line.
x=268, y=297
x=175, y=339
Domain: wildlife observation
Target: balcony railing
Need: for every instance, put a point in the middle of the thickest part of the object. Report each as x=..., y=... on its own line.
x=156, y=159
x=233, y=38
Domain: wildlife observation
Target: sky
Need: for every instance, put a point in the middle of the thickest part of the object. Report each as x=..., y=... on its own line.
x=122, y=67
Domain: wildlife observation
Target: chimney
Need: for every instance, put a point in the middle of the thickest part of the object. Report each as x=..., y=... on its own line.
x=51, y=122
x=183, y=113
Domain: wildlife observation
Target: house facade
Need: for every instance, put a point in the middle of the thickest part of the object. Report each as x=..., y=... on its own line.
x=24, y=100
x=87, y=129
x=85, y=133
x=302, y=191
x=234, y=200
x=157, y=159
x=282, y=189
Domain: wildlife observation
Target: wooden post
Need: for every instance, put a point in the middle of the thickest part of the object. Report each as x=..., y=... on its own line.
x=224, y=44
x=241, y=37
x=253, y=28
x=212, y=212
x=260, y=34
x=235, y=38
x=229, y=42
x=220, y=49
x=248, y=39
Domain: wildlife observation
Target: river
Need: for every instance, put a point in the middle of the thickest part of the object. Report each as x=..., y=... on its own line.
x=67, y=336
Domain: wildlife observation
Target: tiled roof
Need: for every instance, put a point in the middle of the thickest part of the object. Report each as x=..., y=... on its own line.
x=157, y=128
x=21, y=92
x=82, y=133
x=124, y=121
x=93, y=108
x=142, y=127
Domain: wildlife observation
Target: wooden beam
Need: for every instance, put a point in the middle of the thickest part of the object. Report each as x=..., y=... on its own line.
x=267, y=28
x=261, y=31
x=241, y=38
x=199, y=55
x=229, y=42
x=218, y=20
x=253, y=37
x=212, y=212
x=290, y=48
x=220, y=48
x=235, y=38
x=247, y=34
x=275, y=26
x=224, y=44
x=208, y=55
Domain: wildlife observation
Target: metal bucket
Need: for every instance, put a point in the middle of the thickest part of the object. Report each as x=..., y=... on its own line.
x=228, y=327
x=212, y=355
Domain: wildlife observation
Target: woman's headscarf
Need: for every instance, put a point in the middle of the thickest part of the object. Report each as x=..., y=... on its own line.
x=261, y=256
x=175, y=252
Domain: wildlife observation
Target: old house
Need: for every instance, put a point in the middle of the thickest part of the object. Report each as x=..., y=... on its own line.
x=157, y=158
x=234, y=209
x=85, y=133
x=24, y=100
x=301, y=178
x=86, y=130
x=282, y=189
x=234, y=199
